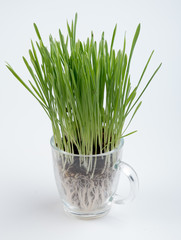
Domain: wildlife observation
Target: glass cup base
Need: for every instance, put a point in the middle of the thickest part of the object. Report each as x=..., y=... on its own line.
x=86, y=215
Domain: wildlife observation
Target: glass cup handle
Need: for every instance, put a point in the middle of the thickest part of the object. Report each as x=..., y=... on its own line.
x=134, y=184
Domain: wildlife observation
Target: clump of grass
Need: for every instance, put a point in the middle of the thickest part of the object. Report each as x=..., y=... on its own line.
x=85, y=89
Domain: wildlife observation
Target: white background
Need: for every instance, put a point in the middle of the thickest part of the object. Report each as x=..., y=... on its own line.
x=29, y=203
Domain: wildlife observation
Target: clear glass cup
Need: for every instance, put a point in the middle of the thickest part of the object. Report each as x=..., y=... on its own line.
x=87, y=183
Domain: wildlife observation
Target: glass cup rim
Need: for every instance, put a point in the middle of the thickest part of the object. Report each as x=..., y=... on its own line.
x=52, y=143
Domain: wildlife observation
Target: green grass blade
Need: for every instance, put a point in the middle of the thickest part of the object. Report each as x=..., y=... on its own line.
x=145, y=87
x=37, y=31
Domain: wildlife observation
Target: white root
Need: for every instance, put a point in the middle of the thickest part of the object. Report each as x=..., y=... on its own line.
x=86, y=192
